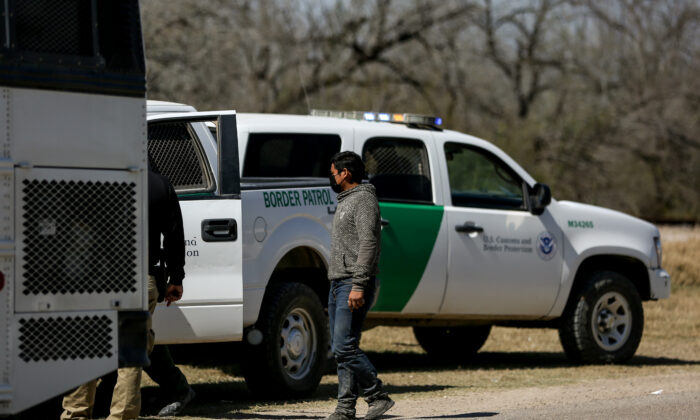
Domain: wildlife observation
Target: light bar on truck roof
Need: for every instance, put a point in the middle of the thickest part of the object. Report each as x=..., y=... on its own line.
x=415, y=119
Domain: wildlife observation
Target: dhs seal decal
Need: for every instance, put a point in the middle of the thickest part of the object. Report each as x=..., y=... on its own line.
x=546, y=246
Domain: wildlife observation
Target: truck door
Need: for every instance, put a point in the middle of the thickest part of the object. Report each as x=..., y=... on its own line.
x=503, y=260
x=413, y=258
x=204, y=172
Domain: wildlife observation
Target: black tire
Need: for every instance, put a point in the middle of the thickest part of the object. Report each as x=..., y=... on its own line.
x=453, y=343
x=292, y=356
x=604, y=320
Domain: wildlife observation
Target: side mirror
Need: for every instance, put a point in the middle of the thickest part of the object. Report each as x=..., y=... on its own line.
x=540, y=197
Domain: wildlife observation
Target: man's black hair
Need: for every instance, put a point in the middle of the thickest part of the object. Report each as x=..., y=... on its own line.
x=352, y=162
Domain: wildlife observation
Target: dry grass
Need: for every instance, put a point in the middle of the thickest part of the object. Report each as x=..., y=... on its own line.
x=682, y=254
x=679, y=233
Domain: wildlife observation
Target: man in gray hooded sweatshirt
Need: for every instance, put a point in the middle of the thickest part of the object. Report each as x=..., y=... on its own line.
x=355, y=246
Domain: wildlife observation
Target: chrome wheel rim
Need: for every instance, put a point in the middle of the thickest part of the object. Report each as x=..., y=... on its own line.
x=297, y=343
x=611, y=321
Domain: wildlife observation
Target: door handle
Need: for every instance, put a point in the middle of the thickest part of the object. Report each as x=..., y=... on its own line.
x=219, y=230
x=469, y=227
x=384, y=222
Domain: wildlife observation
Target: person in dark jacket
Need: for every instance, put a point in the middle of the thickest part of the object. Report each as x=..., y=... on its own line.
x=166, y=265
x=164, y=218
x=355, y=248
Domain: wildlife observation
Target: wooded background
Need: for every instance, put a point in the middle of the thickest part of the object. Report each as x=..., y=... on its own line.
x=599, y=99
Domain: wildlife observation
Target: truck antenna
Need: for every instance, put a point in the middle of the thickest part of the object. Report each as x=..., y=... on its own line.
x=303, y=86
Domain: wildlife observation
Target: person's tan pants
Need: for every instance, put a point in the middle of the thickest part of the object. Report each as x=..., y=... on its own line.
x=126, y=398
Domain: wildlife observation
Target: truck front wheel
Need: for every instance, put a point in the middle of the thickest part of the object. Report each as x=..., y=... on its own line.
x=452, y=343
x=290, y=359
x=604, y=321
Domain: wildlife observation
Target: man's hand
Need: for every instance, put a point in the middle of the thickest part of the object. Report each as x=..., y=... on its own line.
x=173, y=294
x=356, y=299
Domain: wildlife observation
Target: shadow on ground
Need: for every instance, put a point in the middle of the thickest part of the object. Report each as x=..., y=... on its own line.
x=224, y=399
x=301, y=415
x=466, y=416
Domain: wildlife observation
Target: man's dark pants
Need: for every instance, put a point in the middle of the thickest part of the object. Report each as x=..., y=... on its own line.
x=355, y=372
x=163, y=371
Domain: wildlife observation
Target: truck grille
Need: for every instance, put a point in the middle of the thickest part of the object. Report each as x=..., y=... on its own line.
x=79, y=237
x=173, y=154
x=63, y=338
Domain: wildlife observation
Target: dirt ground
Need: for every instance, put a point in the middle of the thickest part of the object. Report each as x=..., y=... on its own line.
x=518, y=370
x=537, y=402
x=520, y=373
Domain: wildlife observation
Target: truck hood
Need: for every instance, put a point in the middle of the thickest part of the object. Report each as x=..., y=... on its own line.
x=608, y=218
x=593, y=229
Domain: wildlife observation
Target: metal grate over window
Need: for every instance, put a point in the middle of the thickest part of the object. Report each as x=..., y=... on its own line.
x=173, y=154
x=396, y=157
x=399, y=169
x=61, y=27
x=63, y=338
x=79, y=237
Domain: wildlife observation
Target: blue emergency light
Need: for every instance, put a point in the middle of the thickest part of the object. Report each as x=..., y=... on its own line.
x=410, y=119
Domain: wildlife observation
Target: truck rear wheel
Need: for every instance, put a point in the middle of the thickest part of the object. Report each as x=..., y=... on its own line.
x=290, y=359
x=604, y=321
x=452, y=342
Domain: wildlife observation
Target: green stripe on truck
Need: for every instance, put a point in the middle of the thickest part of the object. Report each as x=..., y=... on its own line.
x=407, y=243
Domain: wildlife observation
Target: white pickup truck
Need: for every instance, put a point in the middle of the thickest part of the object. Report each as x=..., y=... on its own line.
x=469, y=240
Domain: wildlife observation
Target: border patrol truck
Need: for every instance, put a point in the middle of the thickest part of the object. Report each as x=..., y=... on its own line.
x=469, y=240
x=72, y=195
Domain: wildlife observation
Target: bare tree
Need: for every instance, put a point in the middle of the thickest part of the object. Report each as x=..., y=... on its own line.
x=597, y=97
x=529, y=57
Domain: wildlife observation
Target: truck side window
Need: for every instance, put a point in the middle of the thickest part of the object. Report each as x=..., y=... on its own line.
x=399, y=169
x=479, y=179
x=271, y=155
x=173, y=151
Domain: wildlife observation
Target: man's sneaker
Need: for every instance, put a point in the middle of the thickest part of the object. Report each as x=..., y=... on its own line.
x=173, y=409
x=339, y=416
x=379, y=407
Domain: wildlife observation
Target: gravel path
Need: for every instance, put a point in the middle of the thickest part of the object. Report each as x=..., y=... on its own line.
x=650, y=397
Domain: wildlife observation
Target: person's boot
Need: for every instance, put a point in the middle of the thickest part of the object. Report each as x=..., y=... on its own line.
x=175, y=408
x=378, y=407
x=339, y=416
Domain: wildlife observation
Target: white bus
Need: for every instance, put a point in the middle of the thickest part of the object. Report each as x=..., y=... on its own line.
x=72, y=195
